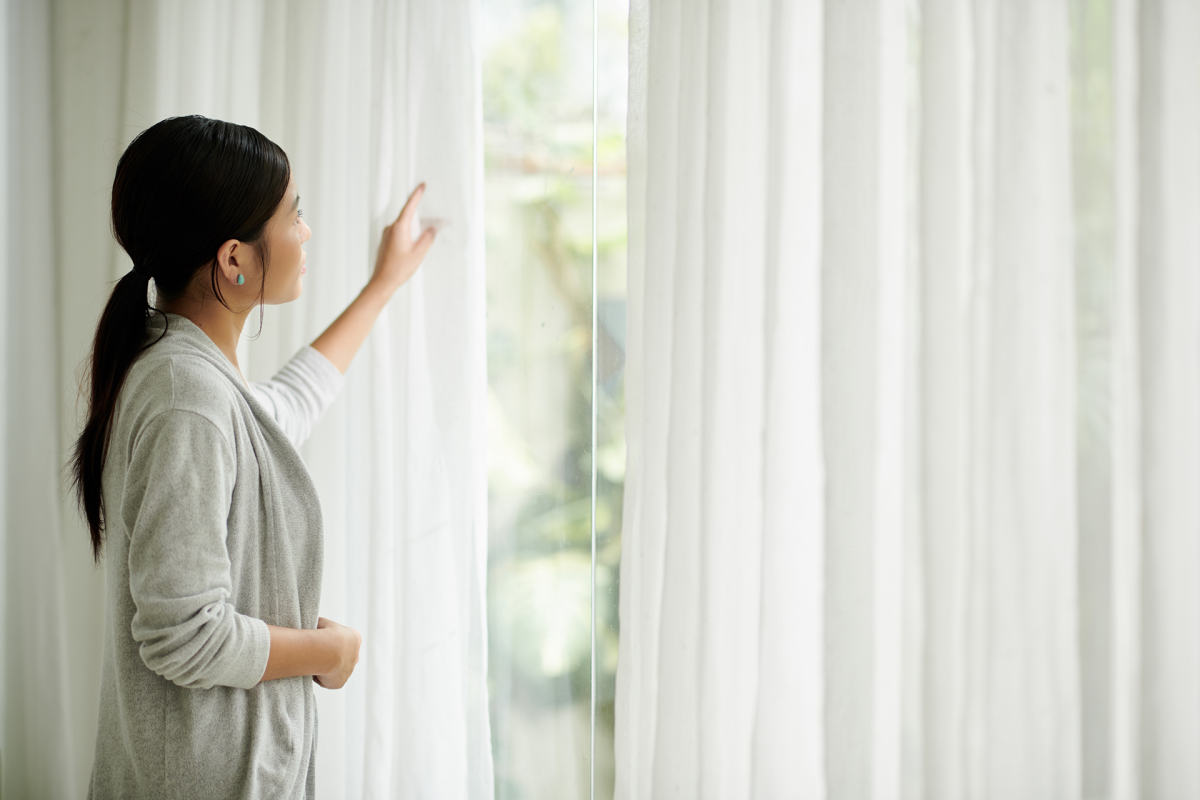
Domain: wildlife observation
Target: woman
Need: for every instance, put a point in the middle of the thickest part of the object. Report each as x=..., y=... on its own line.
x=190, y=475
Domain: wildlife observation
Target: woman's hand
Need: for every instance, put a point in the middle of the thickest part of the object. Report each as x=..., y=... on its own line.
x=399, y=256
x=346, y=642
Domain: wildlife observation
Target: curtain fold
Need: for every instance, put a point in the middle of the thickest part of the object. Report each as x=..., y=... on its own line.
x=1168, y=330
x=865, y=415
x=724, y=170
x=1006, y=636
x=40, y=693
x=368, y=99
x=789, y=704
x=1123, y=770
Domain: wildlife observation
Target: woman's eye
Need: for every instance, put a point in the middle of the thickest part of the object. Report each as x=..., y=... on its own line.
x=299, y=213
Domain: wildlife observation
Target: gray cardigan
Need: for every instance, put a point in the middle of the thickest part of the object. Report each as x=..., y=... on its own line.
x=213, y=530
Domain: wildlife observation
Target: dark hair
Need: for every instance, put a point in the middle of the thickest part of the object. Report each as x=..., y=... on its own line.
x=183, y=187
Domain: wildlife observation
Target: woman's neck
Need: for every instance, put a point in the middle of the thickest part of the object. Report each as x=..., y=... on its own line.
x=220, y=324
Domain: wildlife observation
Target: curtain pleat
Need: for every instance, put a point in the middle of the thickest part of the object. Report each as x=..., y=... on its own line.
x=1020, y=707
x=641, y=561
x=426, y=709
x=733, y=228
x=1168, y=287
x=789, y=706
x=717, y=132
x=945, y=226
x=1123, y=769
x=39, y=689
x=865, y=294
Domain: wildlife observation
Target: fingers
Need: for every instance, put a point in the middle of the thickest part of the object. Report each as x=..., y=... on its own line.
x=410, y=205
x=421, y=246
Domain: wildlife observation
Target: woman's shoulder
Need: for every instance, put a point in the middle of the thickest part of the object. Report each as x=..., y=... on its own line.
x=171, y=379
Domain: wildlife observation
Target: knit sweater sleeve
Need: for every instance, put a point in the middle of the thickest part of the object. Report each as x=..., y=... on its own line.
x=176, y=506
x=300, y=391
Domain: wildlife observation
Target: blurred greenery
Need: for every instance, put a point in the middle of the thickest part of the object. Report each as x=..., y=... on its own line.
x=522, y=75
x=538, y=140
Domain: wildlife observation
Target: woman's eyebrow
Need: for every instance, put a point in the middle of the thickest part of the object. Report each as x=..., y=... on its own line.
x=296, y=202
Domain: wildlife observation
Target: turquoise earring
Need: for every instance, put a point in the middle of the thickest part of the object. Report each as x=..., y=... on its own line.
x=241, y=279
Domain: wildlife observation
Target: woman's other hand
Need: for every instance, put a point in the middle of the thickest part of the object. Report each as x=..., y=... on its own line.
x=346, y=642
x=399, y=256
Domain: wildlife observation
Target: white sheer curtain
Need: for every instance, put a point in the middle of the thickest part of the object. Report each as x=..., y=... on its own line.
x=368, y=100
x=48, y=602
x=851, y=548
x=1157, y=732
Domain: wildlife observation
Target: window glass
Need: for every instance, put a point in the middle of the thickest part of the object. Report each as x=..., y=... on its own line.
x=540, y=210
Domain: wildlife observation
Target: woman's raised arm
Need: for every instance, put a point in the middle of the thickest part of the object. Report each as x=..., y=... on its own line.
x=398, y=258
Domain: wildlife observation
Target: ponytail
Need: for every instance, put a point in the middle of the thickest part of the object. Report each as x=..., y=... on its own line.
x=120, y=336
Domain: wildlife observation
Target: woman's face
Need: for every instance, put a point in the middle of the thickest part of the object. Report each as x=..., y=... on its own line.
x=286, y=233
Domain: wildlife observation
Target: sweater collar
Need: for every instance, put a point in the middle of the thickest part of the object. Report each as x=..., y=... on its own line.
x=181, y=326
x=184, y=335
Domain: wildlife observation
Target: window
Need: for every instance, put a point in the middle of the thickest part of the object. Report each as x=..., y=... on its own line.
x=556, y=247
